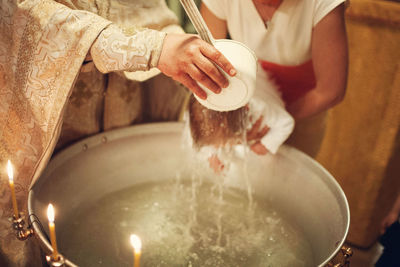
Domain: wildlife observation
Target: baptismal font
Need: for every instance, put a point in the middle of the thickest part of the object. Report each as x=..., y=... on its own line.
x=131, y=172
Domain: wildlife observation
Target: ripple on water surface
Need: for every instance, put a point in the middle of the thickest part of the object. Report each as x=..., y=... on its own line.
x=183, y=224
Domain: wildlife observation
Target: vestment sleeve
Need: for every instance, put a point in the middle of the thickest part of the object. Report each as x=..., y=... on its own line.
x=217, y=7
x=323, y=7
x=42, y=46
x=119, y=49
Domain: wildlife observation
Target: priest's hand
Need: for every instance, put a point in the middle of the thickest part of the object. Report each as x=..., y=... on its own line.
x=188, y=59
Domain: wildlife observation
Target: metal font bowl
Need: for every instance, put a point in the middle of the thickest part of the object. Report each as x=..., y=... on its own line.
x=291, y=181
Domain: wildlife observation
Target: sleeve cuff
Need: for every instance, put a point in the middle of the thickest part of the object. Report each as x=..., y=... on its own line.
x=280, y=122
x=276, y=137
x=145, y=75
x=118, y=49
x=158, y=44
x=318, y=17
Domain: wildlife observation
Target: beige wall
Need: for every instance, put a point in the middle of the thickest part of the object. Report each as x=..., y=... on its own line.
x=362, y=144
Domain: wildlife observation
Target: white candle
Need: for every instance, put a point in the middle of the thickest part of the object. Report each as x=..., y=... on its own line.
x=52, y=228
x=11, y=181
x=137, y=249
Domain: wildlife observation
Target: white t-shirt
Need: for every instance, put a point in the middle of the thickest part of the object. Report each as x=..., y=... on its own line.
x=287, y=40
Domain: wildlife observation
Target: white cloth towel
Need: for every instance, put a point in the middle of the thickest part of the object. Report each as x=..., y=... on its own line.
x=267, y=102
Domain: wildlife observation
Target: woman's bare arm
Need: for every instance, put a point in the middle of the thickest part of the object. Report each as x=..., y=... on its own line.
x=330, y=60
x=217, y=26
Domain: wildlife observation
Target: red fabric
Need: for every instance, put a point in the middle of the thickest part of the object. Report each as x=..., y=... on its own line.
x=292, y=81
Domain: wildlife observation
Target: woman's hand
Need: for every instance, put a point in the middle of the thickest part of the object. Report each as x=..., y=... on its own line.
x=392, y=216
x=254, y=136
x=188, y=59
x=390, y=219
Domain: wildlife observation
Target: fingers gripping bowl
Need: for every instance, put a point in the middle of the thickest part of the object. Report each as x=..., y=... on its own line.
x=241, y=86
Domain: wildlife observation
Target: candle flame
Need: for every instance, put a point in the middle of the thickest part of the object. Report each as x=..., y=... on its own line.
x=10, y=171
x=136, y=243
x=50, y=213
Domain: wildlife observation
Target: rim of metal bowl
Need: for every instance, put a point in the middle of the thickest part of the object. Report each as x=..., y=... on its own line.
x=165, y=127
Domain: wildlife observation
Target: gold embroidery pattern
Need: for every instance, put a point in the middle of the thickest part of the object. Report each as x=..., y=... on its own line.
x=38, y=65
x=115, y=51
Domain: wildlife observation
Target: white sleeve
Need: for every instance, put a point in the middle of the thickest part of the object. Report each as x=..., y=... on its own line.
x=217, y=7
x=323, y=7
x=280, y=122
x=267, y=102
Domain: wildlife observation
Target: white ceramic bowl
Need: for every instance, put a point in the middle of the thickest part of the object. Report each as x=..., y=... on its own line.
x=241, y=87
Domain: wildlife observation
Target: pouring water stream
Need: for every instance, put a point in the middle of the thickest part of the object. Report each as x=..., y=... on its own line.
x=205, y=34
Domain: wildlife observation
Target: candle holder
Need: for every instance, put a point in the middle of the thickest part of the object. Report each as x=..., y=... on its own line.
x=19, y=225
x=344, y=258
x=56, y=262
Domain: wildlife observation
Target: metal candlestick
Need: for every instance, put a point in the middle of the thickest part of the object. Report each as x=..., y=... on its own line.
x=344, y=255
x=56, y=262
x=18, y=225
x=23, y=234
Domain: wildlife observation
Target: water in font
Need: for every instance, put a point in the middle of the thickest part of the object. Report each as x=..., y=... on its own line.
x=183, y=223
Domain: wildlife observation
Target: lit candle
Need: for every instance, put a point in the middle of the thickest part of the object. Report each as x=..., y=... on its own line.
x=137, y=249
x=11, y=180
x=52, y=228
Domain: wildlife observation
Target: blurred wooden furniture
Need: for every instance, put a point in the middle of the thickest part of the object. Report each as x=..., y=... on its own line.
x=362, y=142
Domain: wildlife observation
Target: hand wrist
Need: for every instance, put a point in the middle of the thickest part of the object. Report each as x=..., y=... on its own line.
x=157, y=49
